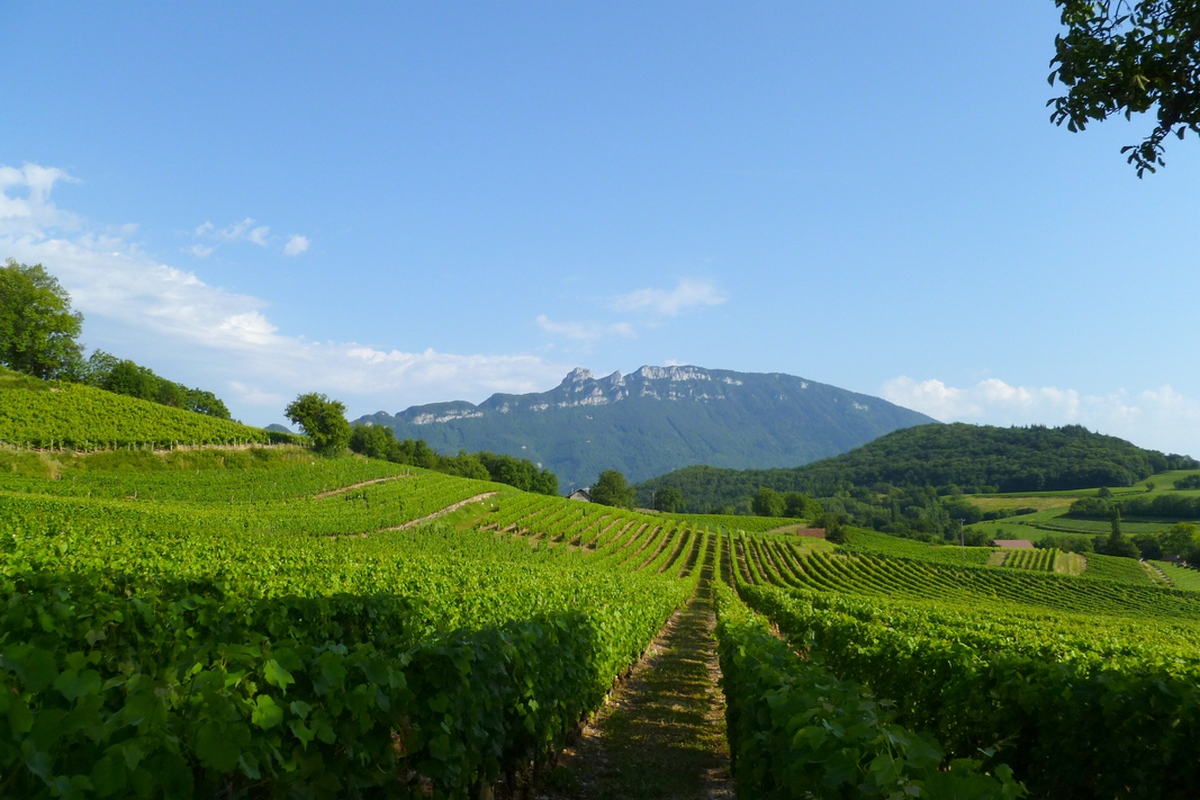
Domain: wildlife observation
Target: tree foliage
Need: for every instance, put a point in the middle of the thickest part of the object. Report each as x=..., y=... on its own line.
x=378, y=441
x=975, y=458
x=323, y=420
x=38, y=329
x=611, y=489
x=106, y=371
x=767, y=503
x=669, y=500
x=1129, y=58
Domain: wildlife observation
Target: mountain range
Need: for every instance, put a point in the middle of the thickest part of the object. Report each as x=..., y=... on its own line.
x=656, y=420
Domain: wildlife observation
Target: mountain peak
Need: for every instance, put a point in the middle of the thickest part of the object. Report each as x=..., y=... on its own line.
x=577, y=375
x=657, y=419
x=674, y=373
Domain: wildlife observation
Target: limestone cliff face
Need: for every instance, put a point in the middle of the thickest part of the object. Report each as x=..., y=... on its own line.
x=658, y=419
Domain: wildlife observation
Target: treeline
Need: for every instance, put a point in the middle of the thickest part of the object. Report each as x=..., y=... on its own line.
x=122, y=376
x=1159, y=506
x=910, y=482
x=39, y=336
x=377, y=441
x=952, y=458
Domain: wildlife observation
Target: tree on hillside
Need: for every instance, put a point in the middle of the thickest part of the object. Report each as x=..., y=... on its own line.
x=1181, y=540
x=611, y=489
x=322, y=420
x=834, y=525
x=798, y=504
x=38, y=329
x=106, y=371
x=668, y=499
x=767, y=503
x=1127, y=57
x=1117, y=544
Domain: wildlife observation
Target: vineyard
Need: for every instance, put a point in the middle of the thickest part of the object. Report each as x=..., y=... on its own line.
x=192, y=632
x=265, y=623
x=1082, y=687
x=78, y=417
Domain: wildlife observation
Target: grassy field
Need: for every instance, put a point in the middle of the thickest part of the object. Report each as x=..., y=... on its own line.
x=1001, y=502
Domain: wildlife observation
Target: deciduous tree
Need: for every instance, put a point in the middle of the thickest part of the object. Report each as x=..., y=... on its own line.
x=322, y=420
x=668, y=499
x=767, y=503
x=38, y=329
x=611, y=489
x=1130, y=57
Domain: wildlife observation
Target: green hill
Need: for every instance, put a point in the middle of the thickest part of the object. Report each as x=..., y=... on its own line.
x=42, y=414
x=658, y=419
x=974, y=458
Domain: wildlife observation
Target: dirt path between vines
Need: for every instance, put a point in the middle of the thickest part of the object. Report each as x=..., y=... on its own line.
x=662, y=735
x=353, y=486
x=447, y=510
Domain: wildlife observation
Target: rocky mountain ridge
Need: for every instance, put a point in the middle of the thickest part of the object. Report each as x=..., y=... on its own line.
x=656, y=419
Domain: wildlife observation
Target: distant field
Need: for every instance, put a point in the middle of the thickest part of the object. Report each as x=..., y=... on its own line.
x=999, y=502
x=1163, y=482
x=1099, y=526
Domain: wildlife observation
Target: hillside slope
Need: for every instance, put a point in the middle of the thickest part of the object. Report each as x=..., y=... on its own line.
x=976, y=458
x=35, y=413
x=658, y=419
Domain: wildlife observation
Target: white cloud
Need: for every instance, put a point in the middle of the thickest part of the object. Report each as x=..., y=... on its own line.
x=244, y=231
x=227, y=335
x=199, y=250
x=255, y=396
x=584, y=331
x=30, y=214
x=296, y=244
x=687, y=294
x=1159, y=418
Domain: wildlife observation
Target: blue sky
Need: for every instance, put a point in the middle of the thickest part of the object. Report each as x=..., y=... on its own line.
x=407, y=203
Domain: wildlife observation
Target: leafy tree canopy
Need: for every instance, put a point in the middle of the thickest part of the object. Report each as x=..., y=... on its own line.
x=1121, y=57
x=767, y=503
x=611, y=489
x=38, y=329
x=106, y=371
x=669, y=499
x=322, y=420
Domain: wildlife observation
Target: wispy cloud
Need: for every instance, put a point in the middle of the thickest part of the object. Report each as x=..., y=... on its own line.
x=584, y=331
x=199, y=250
x=25, y=205
x=296, y=245
x=687, y=294
x=1161, y=418
x=244, y=231
x=225, y=333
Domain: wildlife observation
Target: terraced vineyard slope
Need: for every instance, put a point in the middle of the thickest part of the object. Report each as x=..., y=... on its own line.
x=42, y=414
x=300, y=625
x=1076, y=683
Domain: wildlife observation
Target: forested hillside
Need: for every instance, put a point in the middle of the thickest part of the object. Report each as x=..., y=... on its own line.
x=971, y=458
